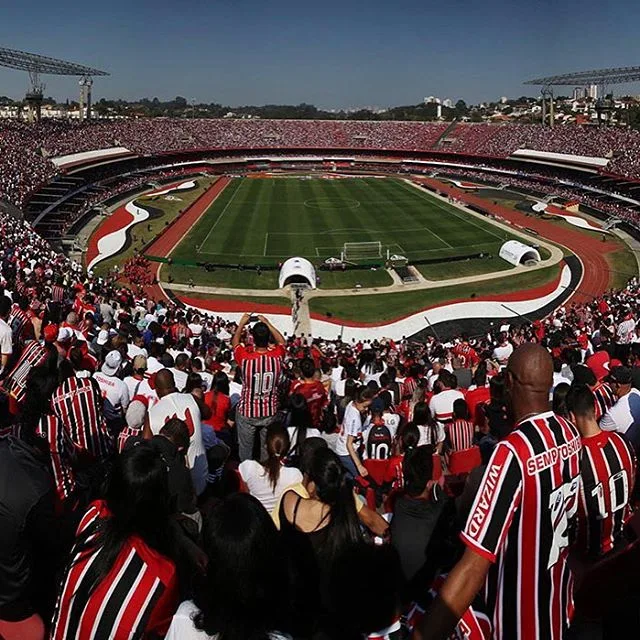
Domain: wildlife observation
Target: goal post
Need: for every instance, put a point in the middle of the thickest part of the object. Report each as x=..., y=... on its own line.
x=362, y=250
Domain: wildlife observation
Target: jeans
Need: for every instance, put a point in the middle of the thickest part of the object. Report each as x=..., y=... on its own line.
x=247, y=428
x=349, y=465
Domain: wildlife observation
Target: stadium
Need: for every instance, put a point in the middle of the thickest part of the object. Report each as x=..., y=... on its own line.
x=446, y=307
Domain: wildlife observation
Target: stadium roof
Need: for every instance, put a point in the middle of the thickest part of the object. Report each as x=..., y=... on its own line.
x=34, y=63
x=618, y=75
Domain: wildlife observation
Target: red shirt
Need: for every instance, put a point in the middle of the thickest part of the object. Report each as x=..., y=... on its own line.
x=474, y=399
x=261, y=378
x=316, y=396
x=220, y=404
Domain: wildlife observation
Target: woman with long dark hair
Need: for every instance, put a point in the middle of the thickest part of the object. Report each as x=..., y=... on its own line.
x=122, y=578
x=267, y=480
x=315, y=530
x=245, y=594
x=219, y=403
x=431, y=432
x=300, y=422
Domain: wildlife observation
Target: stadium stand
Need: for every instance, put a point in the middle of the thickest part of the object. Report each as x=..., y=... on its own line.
x=200, y=426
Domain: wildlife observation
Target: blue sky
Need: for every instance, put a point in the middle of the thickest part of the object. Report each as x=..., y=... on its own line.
x=331, y=53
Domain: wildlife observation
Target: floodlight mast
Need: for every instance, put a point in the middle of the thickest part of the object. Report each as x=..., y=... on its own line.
x=36, y=65
x=602, y=78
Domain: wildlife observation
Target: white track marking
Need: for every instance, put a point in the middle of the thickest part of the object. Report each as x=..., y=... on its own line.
x=215, y=224
x=266, y=242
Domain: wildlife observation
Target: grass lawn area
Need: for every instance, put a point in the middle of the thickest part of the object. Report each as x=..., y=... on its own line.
x=447, y=270
x=386, y=307
x=623, y=266
x=168, y=207
x=264, y=221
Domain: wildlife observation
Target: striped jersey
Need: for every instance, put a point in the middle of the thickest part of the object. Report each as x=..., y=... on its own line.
x=20, y=323
x=57, y=293
x=77, y=403
x=520, y=521
x=460, y=434
x=604, y=398
x=261, y=380
x=136, y=599
x=61, y=455
x=608, y=476
x=33, y=355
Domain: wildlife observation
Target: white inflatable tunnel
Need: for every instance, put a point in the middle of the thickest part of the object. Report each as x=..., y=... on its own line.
x=515, y=252
x=297, y=271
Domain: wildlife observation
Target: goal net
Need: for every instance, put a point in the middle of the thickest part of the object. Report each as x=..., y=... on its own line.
x=361, y=250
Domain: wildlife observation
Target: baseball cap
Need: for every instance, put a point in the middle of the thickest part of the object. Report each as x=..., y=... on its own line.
x=621, y=375
x=112, y=363
x=64, y=334
x=50, y=333
x=103, y=337
x=136, y=413
x=599, y=364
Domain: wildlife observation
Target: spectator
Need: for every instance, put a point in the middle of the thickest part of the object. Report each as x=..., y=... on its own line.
x=131, y=528
x=183, y=406
x=267, y=481
x=460, y=432
x=351, y=432
x=262, y=368
x=624, y=416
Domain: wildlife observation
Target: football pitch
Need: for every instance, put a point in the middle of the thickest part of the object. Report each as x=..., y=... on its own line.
x=266, y=220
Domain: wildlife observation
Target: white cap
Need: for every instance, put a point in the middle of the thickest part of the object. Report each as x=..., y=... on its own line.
x=112, y=363
x=103, y=337
x=64, y=334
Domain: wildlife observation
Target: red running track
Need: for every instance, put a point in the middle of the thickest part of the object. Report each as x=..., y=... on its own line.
x=176, y=231
x=590, y=250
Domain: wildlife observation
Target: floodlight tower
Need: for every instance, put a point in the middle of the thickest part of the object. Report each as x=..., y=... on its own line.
x=36, y=65
x=86, y=82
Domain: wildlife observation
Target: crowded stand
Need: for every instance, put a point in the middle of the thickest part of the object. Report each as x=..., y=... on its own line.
x=26, y=150
x=168, y=473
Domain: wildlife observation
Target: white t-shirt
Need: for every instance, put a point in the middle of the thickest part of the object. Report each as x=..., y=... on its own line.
x=142, y=389
x=257, y=480
x=351, y=426
x=207, y=378
x=621, y=416
x=293, y=436
x=502, y=353
x=113, y=389
x=133, y=351
x=425, y=434
x=180, y=378
x=6, y=339
x=182, y=627
x=184, y=407
x=338, y=388
x=153, y=365
x=441, y=405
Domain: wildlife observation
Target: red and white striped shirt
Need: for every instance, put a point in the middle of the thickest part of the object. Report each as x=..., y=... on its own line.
x=520, y=521
x=261, y=379
x=136, y=599
x=608, y=477
x=33, y=355
x=77, y=403
x=20, y=323
x=460, y=434
x=604, y=398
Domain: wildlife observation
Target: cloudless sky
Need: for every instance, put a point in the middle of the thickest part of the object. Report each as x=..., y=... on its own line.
x=329, y=53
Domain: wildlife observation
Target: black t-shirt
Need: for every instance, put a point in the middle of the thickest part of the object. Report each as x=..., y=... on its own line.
x=414, y=522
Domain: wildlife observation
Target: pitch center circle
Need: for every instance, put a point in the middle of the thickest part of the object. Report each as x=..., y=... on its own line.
x=332, y=203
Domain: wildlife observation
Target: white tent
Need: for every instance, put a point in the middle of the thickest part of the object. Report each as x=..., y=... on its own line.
x=515, y=252
x=297, y=270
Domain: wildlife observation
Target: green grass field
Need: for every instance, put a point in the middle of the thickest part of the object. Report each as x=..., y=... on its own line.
x=263, y=221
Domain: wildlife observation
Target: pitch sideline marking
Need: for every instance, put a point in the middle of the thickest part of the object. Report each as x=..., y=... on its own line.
x=215, y=224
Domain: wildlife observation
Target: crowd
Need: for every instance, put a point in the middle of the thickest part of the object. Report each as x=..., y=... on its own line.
x=25, y=149
x=164, y=473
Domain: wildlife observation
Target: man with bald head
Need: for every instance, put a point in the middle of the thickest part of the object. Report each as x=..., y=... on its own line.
x=517, y=532
x=173, y=404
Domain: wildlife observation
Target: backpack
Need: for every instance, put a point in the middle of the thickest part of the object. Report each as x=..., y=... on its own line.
x=379, y=442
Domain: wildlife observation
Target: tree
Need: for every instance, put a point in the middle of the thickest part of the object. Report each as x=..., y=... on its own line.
x=461, y=108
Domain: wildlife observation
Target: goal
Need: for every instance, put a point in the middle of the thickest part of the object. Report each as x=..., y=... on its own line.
x=361, y=250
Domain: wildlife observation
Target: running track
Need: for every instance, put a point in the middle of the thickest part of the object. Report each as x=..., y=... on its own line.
x=588, y=248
